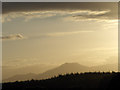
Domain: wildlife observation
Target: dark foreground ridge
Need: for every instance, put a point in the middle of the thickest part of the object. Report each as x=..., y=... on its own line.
x=83, y=81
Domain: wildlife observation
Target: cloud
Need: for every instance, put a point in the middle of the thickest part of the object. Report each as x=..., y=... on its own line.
x=74, y=11
x=58, y=34
x=90, y=15
x=93, y=15
x=74, y=14
x=43, y=6
x=27, y=15
x=65, y=33
x=43, y=35
x=12, y=37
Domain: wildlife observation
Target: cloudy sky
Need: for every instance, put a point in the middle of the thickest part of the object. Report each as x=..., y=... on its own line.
x=55, y=33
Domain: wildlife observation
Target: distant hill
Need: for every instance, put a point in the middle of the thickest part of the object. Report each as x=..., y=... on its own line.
x=20, y=77
x=9, y=71
x=62, y=69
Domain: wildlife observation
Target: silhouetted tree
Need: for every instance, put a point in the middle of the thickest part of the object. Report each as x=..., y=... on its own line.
x=84, y=81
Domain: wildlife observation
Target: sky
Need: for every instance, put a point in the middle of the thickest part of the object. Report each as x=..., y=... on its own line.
x=60, y=1
x=55, y=33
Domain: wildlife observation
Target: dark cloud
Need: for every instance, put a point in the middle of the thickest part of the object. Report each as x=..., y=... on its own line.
x=12, y=37
x=9, y=7
x=29, y=6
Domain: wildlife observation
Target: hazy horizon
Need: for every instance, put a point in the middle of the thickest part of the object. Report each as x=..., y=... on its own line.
x=46, y=35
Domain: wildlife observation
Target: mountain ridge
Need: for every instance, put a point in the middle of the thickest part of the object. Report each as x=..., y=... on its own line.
x=62, y=69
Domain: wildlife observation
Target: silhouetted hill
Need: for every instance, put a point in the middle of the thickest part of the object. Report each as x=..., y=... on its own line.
x=62, y=69
x=83, y=81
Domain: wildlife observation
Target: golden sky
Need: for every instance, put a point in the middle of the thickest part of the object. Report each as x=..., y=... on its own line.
x=55, y=33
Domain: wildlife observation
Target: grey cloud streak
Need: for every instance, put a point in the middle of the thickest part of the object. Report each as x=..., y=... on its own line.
x=84, y=14
x=12, y=37
x=97, y=16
